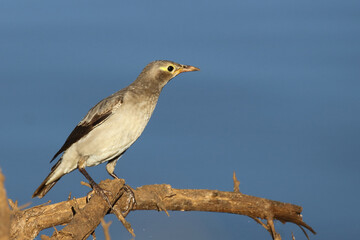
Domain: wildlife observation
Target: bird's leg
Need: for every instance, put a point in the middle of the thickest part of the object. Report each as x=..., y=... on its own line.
x=131, y=199
x=98, y=189
x=95, y=186
x=110, y=167
x=114, y=175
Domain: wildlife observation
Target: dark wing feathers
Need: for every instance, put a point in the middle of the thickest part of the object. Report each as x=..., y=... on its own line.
x=80, y=131
x=97, y=115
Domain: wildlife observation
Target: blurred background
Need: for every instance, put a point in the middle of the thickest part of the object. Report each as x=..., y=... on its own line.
x=276, y=101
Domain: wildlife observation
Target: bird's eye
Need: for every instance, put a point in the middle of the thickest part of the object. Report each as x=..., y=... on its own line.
x=170, y=68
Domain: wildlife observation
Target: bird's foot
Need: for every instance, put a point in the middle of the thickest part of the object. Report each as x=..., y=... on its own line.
x=101, y=192
x=131, y=199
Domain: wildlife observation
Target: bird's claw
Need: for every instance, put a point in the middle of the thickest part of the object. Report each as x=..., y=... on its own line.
x=101, y=192
x=131, y=199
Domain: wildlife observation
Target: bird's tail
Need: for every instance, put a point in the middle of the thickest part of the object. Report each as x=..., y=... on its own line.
x=45, y=186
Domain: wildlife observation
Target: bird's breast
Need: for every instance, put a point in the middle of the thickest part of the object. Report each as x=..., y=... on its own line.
x=117, y=133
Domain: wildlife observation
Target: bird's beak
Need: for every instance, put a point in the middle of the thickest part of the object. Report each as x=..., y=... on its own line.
x=186, y=68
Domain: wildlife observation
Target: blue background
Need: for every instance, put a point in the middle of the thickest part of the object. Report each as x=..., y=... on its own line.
x=276, y=100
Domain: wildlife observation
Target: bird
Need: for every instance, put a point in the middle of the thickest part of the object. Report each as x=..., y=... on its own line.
x=112, y=125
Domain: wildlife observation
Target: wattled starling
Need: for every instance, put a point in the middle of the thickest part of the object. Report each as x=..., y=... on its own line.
x=112, y=125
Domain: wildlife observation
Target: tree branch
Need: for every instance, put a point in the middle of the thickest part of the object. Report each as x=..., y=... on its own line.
x=4, y=211
x=85, y=220
x=82, y=218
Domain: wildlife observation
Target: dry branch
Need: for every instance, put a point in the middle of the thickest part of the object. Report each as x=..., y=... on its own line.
x=106, y=226
x=85, y=220
x=4, y=211
x=28, y=223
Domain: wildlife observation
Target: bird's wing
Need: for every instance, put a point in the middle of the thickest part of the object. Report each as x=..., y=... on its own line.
x=95, y=117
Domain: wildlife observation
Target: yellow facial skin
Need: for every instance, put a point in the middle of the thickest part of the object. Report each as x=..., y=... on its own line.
x=175, y=70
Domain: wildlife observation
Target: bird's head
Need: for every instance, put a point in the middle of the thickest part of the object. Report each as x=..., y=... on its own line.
x=158, y=73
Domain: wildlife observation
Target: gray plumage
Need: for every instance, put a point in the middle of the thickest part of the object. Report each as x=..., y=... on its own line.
x=113, y=125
